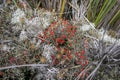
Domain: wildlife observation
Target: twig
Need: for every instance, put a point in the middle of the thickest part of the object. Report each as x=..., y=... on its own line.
x=94, y=71
x=15, y=3
x=17, y=66
x=38, y=5
x=92, y=37
x=73, y=6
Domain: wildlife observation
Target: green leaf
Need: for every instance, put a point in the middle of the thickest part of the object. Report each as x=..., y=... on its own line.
x=115, y=18
x=107, y=6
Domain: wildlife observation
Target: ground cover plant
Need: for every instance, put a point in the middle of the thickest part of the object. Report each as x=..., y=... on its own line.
x=59, y=40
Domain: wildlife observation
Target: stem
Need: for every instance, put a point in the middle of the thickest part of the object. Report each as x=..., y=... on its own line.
x=17, y=66
x=15, y=3
x=62, y=8
x=94, y=71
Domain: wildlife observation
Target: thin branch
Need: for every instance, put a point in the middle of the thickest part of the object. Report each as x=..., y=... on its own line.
x=94, y=71
x=26, y=65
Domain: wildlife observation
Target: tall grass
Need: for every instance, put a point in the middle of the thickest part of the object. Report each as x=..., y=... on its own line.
x=102, y=11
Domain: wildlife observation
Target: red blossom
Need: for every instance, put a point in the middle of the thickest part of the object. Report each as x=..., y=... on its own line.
x=79, y=62
x=82, y=52
x=77, y=54
x=60, y=41
x=70, y=27
x=52, y=33
x=82, y=63
x=63, y=36
x=65, y=22
x=73, y=31
x=81, y=57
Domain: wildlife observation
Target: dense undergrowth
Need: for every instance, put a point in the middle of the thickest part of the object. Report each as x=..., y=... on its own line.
x=44, y=40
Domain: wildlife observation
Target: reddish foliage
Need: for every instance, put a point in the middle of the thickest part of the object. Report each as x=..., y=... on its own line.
x=64, y=41
x=81, y=57
x=63, y=36
x=51, y=33
x=82, y=52
x=60, y=40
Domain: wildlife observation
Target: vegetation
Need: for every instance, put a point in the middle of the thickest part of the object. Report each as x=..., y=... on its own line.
x=59, y=40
